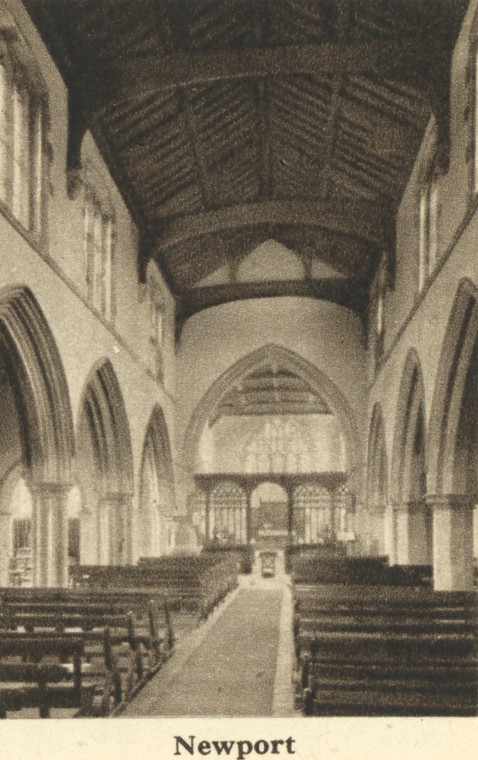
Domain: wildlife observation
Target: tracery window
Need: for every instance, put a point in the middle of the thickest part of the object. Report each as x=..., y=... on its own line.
x=428, y=229
x=428, y=205
x=378, y=320
x=23, y=119
x=99, y=245
x=279, y=447
x=157, y=336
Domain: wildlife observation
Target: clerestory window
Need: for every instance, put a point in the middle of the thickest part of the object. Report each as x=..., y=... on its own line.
x=99, y=245
x=428, y=245
x=23, y=116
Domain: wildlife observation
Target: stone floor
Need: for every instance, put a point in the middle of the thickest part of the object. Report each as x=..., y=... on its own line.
x=239, y=663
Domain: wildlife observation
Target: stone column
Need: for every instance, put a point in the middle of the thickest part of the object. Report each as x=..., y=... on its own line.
x=333, y=516
x=401, y=533
x=248, y=515
x=50, y=534
x=452, y=541
x=412, y=538
x=118, y=508
x=377, y=529
x=88, y=537
x=290, y=514
x=207, y=509
x=5, y=546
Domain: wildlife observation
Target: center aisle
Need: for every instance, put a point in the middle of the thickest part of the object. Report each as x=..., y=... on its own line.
x=231, y=672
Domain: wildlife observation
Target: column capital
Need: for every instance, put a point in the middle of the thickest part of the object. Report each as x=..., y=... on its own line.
x=452, y=500
x=48, y=489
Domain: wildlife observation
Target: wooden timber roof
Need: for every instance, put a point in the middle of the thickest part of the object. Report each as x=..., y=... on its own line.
x=270, y=390
x=229, y=122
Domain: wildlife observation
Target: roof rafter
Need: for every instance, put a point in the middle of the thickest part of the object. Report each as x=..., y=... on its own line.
x=356, y=218
x=140, y=76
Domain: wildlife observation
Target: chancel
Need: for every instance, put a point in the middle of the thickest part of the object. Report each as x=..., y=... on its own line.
x=238, y=358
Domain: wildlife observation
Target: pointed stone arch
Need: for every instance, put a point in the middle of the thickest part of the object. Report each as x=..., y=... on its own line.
x=456, y=355
x=410, y=413
x=156, y=488
x=412, y=524
x=290, y=360
x=36, y=380
x=104, y=470
x=453, y=442
x=41, y=387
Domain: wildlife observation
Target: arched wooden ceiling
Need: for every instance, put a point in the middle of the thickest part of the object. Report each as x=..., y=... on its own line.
x=270, y=390
x=229, y=122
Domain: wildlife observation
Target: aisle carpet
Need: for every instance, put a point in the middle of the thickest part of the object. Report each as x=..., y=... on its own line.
x=231, y=673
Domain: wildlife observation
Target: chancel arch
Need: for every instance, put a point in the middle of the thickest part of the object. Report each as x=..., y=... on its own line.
x=276, y=422
x=156, y=497
x=269, y=356
x=37, y=430
x=412, y=529
x=453, y=486
x=104, y=470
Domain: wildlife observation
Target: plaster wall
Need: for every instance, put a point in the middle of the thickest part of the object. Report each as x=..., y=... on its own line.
x=328, y=336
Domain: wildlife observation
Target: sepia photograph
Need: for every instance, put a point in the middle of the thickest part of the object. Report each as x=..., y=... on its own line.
x=239, y=371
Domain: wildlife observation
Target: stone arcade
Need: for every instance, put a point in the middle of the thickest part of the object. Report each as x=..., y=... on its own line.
x=239, y=284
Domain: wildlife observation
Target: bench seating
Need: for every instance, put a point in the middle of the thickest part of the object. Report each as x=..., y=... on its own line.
x=365, y=650
x=314, y=567
x=44, y=672
x=195, y=583
x=123, y=649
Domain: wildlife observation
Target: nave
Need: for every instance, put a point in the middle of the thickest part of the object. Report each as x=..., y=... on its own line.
x=234, y=669
x=238, y=313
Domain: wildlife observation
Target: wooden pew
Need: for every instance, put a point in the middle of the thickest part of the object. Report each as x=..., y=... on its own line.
x=119, y=658
x=386, y=651
x=29, y=677
x=190, y=583
x=86, y=610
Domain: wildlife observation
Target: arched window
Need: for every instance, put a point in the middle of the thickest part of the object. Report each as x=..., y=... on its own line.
x=428, y=208
x=23, y=120
x=378, y=318
x=99, y=237
x=157, y=329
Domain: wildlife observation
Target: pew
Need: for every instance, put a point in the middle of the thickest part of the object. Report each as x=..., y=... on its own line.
x=121, y=652
x=44, y=672
x=371, y=650
x=191, y=583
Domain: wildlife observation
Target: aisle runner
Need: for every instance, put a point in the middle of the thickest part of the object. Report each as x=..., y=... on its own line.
x=232, y=671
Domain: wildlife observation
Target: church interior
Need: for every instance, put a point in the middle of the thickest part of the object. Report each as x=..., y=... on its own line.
x=238, y=358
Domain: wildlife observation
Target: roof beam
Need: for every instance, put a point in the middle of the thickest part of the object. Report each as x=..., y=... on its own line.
x=343, y=36
x=359, y=219
x=139, y=77
x=350, y=293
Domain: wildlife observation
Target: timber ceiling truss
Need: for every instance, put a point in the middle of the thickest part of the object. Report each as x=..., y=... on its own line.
x=229, y=122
